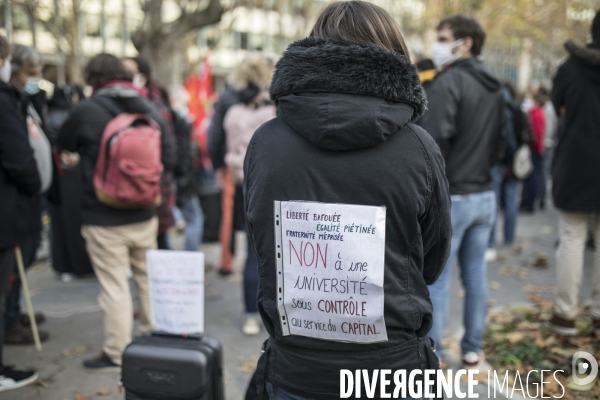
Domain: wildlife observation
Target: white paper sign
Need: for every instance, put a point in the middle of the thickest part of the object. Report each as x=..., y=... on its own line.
x=176, y=281
x=330, y=270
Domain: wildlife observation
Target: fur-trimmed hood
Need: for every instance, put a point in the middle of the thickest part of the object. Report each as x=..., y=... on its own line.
x=590, y=55
x=344, y=95
x=337, y=66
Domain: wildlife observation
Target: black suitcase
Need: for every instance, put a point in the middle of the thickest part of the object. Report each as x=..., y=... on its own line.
x=160, y=366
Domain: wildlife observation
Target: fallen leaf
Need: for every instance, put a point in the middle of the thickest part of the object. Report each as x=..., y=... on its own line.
x=540, y=342
x=500, y=318
x=495, y=285
x=540, y=261
x=74, y=351
x=514, y=337
x=517, y=250
x=248, y=365
x=103, y=392
x=79, y=396
x=502, y=257
x=539, y=289
x=522, y=273
x=562, y=352
x=526, y=326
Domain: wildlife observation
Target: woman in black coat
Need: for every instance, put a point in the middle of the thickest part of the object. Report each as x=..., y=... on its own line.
x=575, y=182
x=348, y=209
x=69, y=256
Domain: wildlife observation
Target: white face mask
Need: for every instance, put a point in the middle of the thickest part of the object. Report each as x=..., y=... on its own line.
x=442, y=53
x=5, y=71
x=32, y=86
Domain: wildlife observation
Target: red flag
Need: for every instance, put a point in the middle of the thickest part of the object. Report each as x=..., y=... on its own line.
x=200, y=90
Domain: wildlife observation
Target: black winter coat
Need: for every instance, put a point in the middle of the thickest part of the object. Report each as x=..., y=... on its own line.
x=466, y=118
x=19, y=179
x=185, y=168
x=344, y=134
x=576, y=165
x=82, y=133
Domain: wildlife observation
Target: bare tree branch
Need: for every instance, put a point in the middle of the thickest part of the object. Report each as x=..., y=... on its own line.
x=195, y=20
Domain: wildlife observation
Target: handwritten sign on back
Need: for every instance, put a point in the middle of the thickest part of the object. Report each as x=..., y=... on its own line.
x=330, y=260
x=176, y=281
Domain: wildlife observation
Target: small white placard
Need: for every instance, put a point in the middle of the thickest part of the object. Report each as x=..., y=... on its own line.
x=176, y=281
x=330, y=260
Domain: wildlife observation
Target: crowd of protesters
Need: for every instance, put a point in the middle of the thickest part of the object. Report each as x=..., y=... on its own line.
x=481, y=152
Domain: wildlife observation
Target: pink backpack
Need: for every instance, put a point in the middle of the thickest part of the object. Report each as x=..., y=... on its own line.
x=128, y=169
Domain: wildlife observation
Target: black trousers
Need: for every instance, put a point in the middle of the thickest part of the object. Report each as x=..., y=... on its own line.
x=7, y=261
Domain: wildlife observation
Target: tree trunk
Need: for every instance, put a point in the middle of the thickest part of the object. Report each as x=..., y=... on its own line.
x=525, y=64
x=161, y=44
x=8, y=21
x=162, y=57
x=30, y=12
x=75, y=59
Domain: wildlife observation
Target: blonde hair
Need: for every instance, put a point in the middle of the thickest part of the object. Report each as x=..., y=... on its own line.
x=253, y=71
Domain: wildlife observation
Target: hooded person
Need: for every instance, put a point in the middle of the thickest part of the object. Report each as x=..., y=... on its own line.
x=69, y=256
x=343, y=148
x=466, y=117
x=575, y=184
x=248, y=80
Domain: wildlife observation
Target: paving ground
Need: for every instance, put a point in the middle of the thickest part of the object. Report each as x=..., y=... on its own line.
x=75, y=321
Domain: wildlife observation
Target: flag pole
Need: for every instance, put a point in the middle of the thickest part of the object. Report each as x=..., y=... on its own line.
x=32, y=321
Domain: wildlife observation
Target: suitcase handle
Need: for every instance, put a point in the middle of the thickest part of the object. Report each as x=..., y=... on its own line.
x=193, y=336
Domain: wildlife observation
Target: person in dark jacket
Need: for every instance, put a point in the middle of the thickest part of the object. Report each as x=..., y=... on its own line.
x=506, y=184
x=19, y=188
x=69, y=257
x=466, y=119
x=575, y=184
x=247, y=82
x=116, y=239
x=26, y=72
x=186, y=170
x=343, y=139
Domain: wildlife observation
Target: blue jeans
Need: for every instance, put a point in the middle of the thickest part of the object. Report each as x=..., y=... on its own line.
x=472, y=221
x=507, y=193
x=276, y=393
x=194, y=223
x=532, y=188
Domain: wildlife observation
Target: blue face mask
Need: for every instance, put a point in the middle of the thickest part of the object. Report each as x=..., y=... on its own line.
x=32, y=86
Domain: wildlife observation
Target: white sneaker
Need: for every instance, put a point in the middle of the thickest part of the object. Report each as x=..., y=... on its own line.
x=14, y=379
x=491, y=255
x=251, y=326
x=472, y=360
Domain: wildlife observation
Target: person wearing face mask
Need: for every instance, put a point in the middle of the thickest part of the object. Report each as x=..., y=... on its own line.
x=466, y=118
x=26, y=72
x=19, y=188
